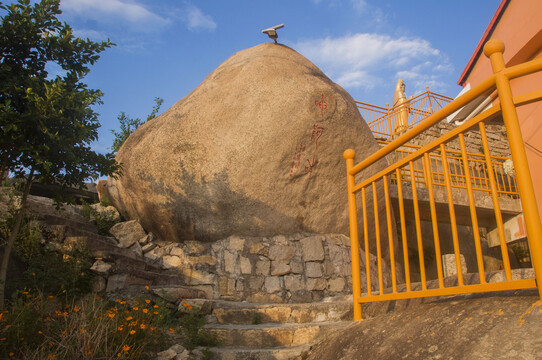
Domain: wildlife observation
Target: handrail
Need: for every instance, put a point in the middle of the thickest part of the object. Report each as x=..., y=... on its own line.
x=507, y=108
x=382, y=120
x=506, y=184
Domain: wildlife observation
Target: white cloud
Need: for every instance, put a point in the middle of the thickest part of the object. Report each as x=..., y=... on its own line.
x=361, y=60
x=115, y=10
x=359, y=5
x=196, y=20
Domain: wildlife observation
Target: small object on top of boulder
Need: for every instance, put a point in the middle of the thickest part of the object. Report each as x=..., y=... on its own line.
x=256, y=150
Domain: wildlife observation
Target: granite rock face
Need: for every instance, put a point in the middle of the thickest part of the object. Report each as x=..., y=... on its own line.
x=255, y=150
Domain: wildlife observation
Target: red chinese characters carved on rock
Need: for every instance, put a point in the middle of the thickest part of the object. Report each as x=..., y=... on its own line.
x=299, y=152
x=322, y=104
x=310, y=165
x=307, y=155
x=317, y=132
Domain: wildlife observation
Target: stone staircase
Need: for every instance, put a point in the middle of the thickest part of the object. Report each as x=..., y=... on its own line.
x=274, y=331
x=128, y=270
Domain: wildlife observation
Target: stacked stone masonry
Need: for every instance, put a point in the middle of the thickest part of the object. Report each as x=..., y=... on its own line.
x=293, y=268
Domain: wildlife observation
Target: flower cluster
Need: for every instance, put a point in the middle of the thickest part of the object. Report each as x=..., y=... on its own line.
x=36, y=326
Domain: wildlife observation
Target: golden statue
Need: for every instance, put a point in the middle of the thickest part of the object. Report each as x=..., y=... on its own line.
x=400, y=108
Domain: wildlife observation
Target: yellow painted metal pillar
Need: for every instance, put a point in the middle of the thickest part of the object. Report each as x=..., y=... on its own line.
x=354, y=241
x=494, y=50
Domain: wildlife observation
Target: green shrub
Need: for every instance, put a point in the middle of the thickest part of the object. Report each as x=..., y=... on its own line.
x=104, y=220
x=192, y=322
x=36, y=326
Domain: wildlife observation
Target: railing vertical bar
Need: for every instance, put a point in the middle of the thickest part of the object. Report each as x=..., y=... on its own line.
x=378, y=245
x=390, y=235
x=390, y=122
x=434, y=219
x=472, y=206
x=418, y=229
x=366, y=241
x=429, y=97
x=496, y=206
x=354, y=242
x=403, y=227
x=453, y=221
x=487, y=183
x=494, y=49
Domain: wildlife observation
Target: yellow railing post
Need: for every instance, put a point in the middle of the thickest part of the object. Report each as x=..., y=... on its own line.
x=354, y=241
x=390, y=121
x=494, y=49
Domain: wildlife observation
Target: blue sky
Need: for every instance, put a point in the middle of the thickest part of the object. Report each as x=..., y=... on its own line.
x=166, y=48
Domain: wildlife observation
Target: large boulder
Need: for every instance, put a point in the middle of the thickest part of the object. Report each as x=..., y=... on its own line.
x=256, y=150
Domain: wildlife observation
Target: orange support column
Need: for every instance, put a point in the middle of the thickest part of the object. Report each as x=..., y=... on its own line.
x=494, y=49
x=354, y=241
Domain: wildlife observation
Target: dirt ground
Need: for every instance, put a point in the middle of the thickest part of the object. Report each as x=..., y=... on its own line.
x=479, y=326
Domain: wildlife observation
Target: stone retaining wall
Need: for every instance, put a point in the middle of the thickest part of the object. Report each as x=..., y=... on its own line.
x=293, y=268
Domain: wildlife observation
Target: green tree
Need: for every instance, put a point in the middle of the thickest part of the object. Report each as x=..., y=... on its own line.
x=46, y=124
x=128, y=125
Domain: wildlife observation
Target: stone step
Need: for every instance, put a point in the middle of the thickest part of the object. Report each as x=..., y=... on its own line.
x=227, y=312
x=278, y=353
x=274, y=335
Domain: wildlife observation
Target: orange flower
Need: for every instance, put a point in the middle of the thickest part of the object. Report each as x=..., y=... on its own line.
x=76, y=308
x=39, y=332
x=170, y=329
x=148, y=301
x=156, y=306
x=120, y=328
x=155, y=313
x=142, y=326
x=132, y=332
x=145, y=311
x=11, y=354
x=135, y=308
x=125, y=348
x=3, y=339
x=111, y=315
x=146, y=287
x=82, y=331
x=52, y=356
x=129, y=318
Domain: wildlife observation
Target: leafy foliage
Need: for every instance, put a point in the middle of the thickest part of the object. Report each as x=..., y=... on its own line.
x=129, y=125
x=47, y=124
x=104, y=220
x=44, y=327
x=192, y=322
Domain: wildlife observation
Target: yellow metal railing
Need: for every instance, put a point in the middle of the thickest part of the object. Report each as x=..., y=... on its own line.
x=383, y=120
x=380, y=181
x=505, y=182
